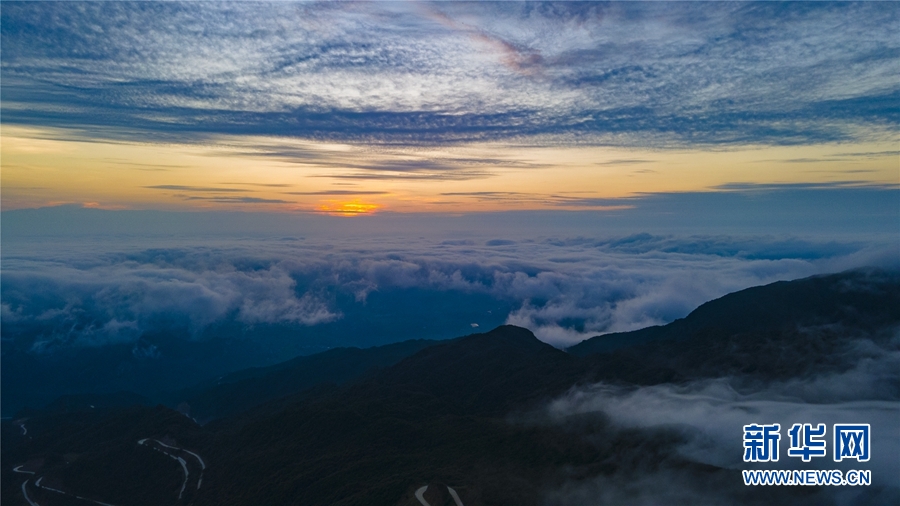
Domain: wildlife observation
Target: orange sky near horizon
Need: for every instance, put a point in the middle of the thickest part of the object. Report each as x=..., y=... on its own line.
x=46, y=167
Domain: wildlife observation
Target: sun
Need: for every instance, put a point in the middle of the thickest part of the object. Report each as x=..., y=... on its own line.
x=352, y=208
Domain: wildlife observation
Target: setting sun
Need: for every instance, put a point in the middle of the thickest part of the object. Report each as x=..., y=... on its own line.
x=352, y=208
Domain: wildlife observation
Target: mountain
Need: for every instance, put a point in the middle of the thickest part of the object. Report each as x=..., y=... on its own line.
x=864, y=299
x=247, y=388
x=775, y=332
x=484, y=415
x=436, y=415
x=94, y=454
x=88, y=402
x=159, y=361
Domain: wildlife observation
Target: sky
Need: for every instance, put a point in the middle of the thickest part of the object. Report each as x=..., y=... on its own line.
x=579, y=168
x=410, y=107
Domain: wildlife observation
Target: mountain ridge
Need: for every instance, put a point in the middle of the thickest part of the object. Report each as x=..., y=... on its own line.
x=813, y=301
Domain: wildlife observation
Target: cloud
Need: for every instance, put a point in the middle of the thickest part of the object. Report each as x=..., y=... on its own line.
x=384, y=162
x=449, y=175
x=239, y=200
x=869, y=154
x=483, y=194
x=701, y=422
x=119, y=299
x=264, y=185
x=564, y=288
x=625, y=161
x=833, y=185
x=417, y=167
x=193, y=188
x=339, y=192
x=633, y=74
x=542, y=198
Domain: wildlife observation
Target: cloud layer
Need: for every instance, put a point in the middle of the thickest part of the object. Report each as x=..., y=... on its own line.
x=701, y=422
x=412, y=73
x=564, y=289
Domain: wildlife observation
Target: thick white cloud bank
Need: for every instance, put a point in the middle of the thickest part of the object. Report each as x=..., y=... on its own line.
x=77, y=292
x=702, y=422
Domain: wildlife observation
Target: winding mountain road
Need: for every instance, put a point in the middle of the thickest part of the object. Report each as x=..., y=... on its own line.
x=25, y=493
x=153, y=443
x=420, y=495
x=455, y=496
x=38, y=484
x=18, y=469
x=185, y=450
x=184, y=467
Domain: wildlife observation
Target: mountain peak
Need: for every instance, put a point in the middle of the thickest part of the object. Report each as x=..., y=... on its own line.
x=507, y=335
x=492, y=370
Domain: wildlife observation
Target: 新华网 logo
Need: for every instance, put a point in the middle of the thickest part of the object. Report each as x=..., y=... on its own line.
x=851, y=441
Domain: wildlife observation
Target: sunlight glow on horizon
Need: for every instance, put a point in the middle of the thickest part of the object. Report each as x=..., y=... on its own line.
x=45, y=167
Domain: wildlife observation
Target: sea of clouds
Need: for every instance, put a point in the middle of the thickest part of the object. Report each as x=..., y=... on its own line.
x=71, y=292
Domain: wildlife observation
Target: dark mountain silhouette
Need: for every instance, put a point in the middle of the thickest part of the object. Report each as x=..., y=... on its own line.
x=87, y=402
x=438, y=414
x=773, y=332
x=862, y=299
x=94, y=454
x=248, y=388
x=482, y=373
x=372, y=427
